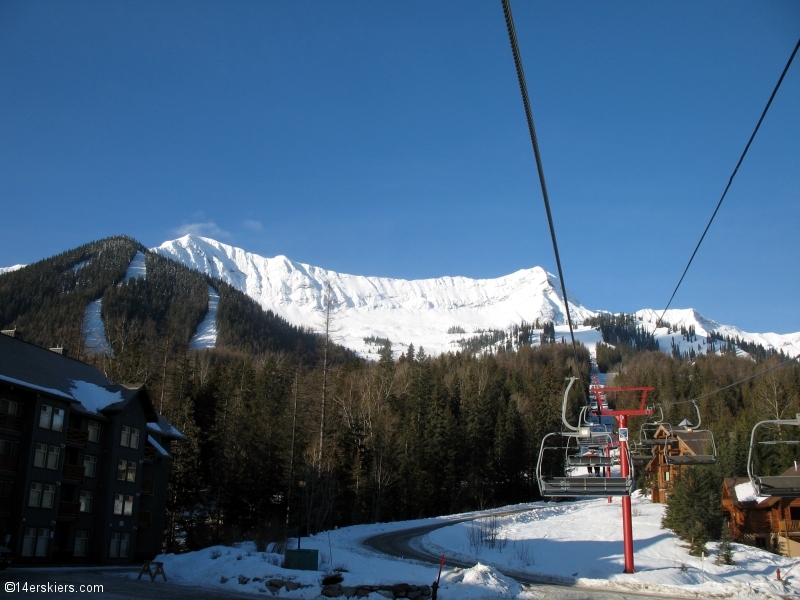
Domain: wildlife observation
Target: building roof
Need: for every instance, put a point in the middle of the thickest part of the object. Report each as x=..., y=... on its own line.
x=28, y=366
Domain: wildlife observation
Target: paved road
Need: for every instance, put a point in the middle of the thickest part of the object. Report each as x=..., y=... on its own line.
x=115, y=584
x=398, y=543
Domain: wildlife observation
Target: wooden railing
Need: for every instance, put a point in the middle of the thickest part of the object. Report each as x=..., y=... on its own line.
x=9, y=462
x=74, y=472
x=145, y=517
x=77, y=436
x=150, y=452
x=69, y=509
x=11, y=422
x=148, y=486
x=790, y=526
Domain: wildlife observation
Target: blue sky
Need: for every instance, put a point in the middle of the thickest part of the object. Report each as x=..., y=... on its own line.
x=389, y=139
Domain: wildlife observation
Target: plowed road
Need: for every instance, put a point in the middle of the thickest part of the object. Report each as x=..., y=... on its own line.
x=399, y=544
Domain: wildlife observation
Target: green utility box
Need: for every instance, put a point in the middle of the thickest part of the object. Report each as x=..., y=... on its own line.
x=303, y=560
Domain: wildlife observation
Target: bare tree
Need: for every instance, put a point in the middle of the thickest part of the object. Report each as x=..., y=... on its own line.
x=329, y=309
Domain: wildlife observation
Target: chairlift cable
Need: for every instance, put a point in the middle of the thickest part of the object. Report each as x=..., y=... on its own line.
x=523, y=88
x=730, y=181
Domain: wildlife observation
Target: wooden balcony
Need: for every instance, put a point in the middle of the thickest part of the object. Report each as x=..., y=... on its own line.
x=9, y=462
x=790, y=526
x=145, y=517
x=75, y=472
x=150, y=453
x=69, y=509
x=79, y=437
x=12, y=422
x=148, y=486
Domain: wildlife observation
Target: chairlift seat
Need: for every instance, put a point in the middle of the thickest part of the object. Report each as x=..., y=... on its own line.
x=593, y=460
x=784, y=486
x=691, y=459
x=568, y=487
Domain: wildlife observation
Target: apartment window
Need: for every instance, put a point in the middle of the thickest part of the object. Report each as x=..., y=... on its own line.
x=120, y=545
x=119, y=500
x=130, y=437
x=94, y=431
x=34, y=541
x=81, y=543
x=42, y=495
x=126, y=470
x=90, y=465
x=8, y=407
x=51, y=418
x=52, y=457
x=86, y=501
x=35, y=497
x=123, y=505
x=46, y=457
x=48, y=496
x=40, y=458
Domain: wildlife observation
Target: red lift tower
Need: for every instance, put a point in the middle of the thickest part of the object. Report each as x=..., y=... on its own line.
x=622, y=421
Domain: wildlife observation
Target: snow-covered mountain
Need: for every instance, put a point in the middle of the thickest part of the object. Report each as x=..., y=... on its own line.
x=419, y=312
x=433, y=313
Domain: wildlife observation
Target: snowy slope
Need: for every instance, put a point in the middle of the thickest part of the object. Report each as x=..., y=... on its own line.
x=422, y=312
x=418, y=312
x=788, y=343
x=10, y=269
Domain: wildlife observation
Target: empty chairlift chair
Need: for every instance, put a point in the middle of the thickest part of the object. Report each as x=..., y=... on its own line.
x=579, y=447
x=786, y=485
x=689, y=445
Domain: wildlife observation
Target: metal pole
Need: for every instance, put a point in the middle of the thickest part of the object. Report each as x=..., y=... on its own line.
x=627, y=526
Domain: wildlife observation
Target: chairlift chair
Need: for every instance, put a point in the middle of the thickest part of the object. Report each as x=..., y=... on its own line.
x=784, y=486
x=586, y=435
x=699, y=441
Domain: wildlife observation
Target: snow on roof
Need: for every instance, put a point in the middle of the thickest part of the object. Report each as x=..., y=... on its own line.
x=157, y=446
x=745, y=492
x=33, y=386
x=164, y=427
x=94, y=397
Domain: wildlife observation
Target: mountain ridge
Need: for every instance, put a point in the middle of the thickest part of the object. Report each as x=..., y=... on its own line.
x=426, y=311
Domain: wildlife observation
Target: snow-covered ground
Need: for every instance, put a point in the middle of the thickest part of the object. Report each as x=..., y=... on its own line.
x=138, y=267
x=573, y=543
x=206, y=335
x=94, y=329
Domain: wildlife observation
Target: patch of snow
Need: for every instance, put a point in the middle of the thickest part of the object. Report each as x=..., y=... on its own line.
x=80, y=265
x=94, y=330
x=157, y=446
x=11, y=269
x=745, y=492
x=94, y=397
x=137, y=268
x=38, y=388
x=172, y=431
x=206, y=335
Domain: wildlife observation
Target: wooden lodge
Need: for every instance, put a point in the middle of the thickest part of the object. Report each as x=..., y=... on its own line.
x=768, y=522
x=673, y=451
